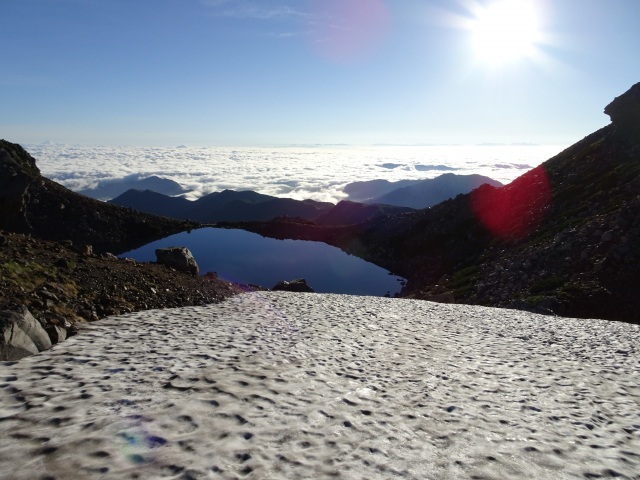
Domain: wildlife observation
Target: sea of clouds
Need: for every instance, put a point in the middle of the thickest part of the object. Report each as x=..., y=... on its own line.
x=300, y=172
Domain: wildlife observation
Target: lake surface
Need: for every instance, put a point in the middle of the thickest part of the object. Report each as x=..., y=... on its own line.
x=249, y=258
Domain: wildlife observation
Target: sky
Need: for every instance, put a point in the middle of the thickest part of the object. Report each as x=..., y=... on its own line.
x=282, y=72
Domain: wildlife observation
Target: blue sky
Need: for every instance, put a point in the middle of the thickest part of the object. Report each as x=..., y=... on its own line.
x=273, y=72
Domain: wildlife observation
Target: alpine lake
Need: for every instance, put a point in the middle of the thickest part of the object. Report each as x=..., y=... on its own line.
x=251, y=259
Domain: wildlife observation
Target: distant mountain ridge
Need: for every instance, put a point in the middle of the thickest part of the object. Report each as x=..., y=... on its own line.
x=416, y=193
x=228, y=205
x=108, y=189
x=246, y=205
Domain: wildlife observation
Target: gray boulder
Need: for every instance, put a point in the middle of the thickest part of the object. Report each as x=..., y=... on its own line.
x=21, y=335
x=179, y=258
x=298, y=285
x=56, y=333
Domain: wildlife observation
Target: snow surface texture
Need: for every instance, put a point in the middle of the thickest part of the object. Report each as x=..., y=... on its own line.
x=306, y=386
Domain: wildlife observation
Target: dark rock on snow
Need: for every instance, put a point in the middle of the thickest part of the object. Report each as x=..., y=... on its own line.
x=298, y=285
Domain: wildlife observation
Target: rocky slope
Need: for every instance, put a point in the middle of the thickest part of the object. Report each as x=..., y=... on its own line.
x=33, y=204
x=62, y=286
x=564, y=238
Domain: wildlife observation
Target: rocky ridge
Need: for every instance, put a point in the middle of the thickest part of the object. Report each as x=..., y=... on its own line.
x=563, y=238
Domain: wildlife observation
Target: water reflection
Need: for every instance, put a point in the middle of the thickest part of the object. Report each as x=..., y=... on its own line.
x=245, y=257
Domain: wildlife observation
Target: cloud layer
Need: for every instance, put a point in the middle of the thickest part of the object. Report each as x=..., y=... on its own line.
x=318, y=173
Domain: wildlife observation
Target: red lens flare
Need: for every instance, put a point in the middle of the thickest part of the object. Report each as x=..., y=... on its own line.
x=516, y=209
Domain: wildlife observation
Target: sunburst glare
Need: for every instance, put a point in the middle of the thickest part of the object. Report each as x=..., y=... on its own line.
x=505, y=30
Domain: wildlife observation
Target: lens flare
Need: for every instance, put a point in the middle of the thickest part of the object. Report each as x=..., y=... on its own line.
x=516, y=209
x=348, y=29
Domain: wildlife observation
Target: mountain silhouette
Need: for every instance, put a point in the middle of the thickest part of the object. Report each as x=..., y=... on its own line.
x=228, y=205
x=108, y=189
x=425, y=193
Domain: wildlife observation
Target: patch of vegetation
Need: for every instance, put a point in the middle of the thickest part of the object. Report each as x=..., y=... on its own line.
x=547, y=284
x=535, y=300
x=464, y=280
x=29, y=275
x=571, y=291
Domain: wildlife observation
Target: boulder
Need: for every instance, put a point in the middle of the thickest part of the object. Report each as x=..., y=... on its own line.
x=179, y=258
x=56, y=333
x=21, y=335
x=298, y=285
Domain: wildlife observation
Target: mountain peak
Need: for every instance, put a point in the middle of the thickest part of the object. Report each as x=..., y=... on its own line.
x=17, y=160
x=624, y=111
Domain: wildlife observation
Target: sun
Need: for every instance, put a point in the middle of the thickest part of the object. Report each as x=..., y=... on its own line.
x=504, y=31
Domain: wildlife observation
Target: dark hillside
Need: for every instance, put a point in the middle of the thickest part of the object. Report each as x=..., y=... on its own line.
x=228, y=205
x=152, y=202
x=33, y=204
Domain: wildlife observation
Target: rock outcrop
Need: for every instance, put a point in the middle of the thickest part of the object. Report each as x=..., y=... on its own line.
x=62, y=287
x=21, y=335
x=179, y=258
x=17, y=171
x=624, y=111
x=298, y=285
